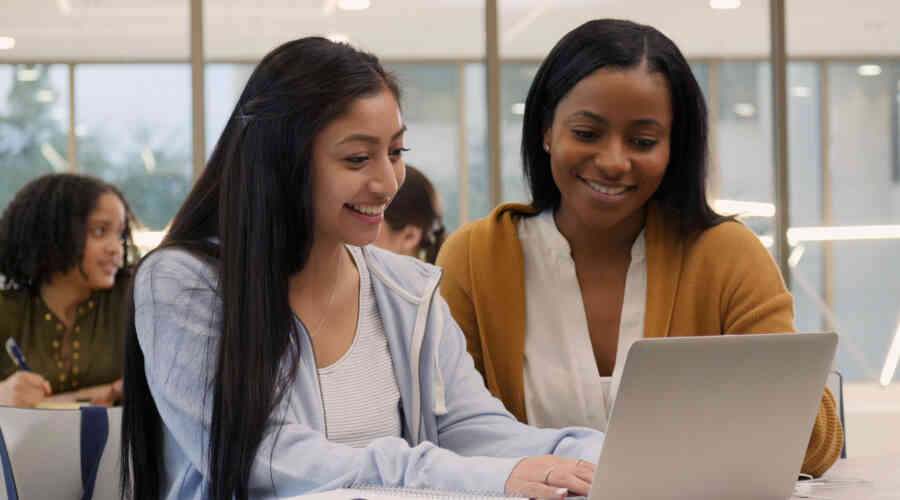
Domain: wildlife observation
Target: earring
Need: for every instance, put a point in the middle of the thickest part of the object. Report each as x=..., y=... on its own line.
x=546, y=147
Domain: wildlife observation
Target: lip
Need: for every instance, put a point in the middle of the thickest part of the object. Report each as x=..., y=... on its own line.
x=607, y=197
x=110, y=268
x=369, y=219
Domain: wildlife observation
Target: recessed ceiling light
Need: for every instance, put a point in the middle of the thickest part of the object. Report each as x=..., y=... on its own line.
x=868, y=70
x=28, y=74
x=801, y=91
x=354, y=4
x=518, y=108
x=724, y=4
x=744, y=109
x=149, y=160
x=7, y=42
x=44, y=95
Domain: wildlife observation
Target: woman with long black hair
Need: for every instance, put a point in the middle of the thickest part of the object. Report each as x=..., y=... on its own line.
x=273, y=352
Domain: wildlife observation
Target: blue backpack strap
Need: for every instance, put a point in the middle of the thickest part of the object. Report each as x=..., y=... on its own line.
x=94, y=432
x=11, y=492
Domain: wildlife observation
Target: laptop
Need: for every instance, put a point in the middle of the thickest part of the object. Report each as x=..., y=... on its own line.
x=726, y=417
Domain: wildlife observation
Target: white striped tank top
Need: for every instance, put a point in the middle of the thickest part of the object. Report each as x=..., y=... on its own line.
x=359, y=390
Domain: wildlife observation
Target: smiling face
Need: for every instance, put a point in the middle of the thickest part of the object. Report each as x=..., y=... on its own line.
x=609, y=147
x=103, y=249
x=357, y=169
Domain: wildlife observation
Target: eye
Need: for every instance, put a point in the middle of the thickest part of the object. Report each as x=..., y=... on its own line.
x=398, y=152
x=644, y=142
x=584, y=134
x=97, y=232
x=357, y=161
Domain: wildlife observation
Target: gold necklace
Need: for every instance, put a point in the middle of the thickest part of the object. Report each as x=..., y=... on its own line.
x=313, y=333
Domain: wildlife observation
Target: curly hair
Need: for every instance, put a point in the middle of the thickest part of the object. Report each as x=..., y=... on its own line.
x=43, y=229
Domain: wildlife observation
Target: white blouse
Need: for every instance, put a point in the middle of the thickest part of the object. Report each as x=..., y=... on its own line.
x=562, y=384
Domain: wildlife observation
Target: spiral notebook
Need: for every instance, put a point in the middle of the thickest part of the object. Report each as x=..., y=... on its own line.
x=385, y=493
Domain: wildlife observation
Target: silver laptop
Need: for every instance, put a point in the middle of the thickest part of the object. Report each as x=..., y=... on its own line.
x=726, y=417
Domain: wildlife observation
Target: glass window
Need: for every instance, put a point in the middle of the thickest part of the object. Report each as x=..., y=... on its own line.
x=861, y=102
x=476, y=141
x=133, y=123
x=744, y=137
x=805, y=192
x=515, y=80
x=224, y=84
x=34, y=122
x=430, y=94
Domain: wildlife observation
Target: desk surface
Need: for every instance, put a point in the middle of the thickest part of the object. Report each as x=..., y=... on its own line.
x=882, y=474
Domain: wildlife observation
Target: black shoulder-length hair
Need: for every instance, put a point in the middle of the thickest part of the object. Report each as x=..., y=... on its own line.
x=43, y=229
x=255, y=197
x=414, y=204
x=612, y=43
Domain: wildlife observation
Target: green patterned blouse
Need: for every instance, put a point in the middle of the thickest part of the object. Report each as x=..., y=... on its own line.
x=94, y=355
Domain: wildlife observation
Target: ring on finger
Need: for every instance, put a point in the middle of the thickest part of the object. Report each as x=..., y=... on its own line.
x=547, y=474
x=578, y=462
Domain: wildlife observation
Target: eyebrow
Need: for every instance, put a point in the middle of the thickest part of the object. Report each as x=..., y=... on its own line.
x=370, y=138
x=104, y=221
x=597, y=118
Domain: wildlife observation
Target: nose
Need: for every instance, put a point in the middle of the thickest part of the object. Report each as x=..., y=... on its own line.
x=113, y=247
x=387, y=177
x=612, y=159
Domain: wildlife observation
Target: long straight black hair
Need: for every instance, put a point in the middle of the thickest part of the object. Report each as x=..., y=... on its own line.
x=255, y=196
x=618, y=44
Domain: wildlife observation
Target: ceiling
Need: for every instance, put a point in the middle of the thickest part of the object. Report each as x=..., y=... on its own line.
x=132, y=30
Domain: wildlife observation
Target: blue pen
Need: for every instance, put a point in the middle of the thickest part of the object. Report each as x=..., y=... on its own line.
x=16, y=354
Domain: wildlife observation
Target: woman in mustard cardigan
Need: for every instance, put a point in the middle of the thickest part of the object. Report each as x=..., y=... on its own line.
x=619, y=242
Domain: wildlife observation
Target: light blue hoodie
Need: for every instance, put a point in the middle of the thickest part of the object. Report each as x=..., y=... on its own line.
x=456, y=435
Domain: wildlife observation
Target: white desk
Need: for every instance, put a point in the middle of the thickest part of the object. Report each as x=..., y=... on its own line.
x=883, y=474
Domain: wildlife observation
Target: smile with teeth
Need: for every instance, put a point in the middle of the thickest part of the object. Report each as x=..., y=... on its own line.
x=607, y=190
x=370, y=210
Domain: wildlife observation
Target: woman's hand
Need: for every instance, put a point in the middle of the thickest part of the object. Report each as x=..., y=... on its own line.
x=98, y=395
x=24, y=389
x=550, y=476
x=109, y=395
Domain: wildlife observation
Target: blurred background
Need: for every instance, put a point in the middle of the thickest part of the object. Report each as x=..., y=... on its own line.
x=137, y=93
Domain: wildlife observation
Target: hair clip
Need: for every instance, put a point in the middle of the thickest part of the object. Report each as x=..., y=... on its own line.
x=244, y=119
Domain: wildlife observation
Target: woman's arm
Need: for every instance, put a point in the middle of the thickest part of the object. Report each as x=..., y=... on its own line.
x=477, y=423
x=757, y=301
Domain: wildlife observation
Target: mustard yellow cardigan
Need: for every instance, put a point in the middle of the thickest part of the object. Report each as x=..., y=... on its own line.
x=720, y=281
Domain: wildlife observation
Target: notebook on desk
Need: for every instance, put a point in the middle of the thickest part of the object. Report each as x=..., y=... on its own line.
x=726, y=417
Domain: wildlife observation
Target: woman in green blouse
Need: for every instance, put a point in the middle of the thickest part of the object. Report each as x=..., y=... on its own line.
x=65, y=240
